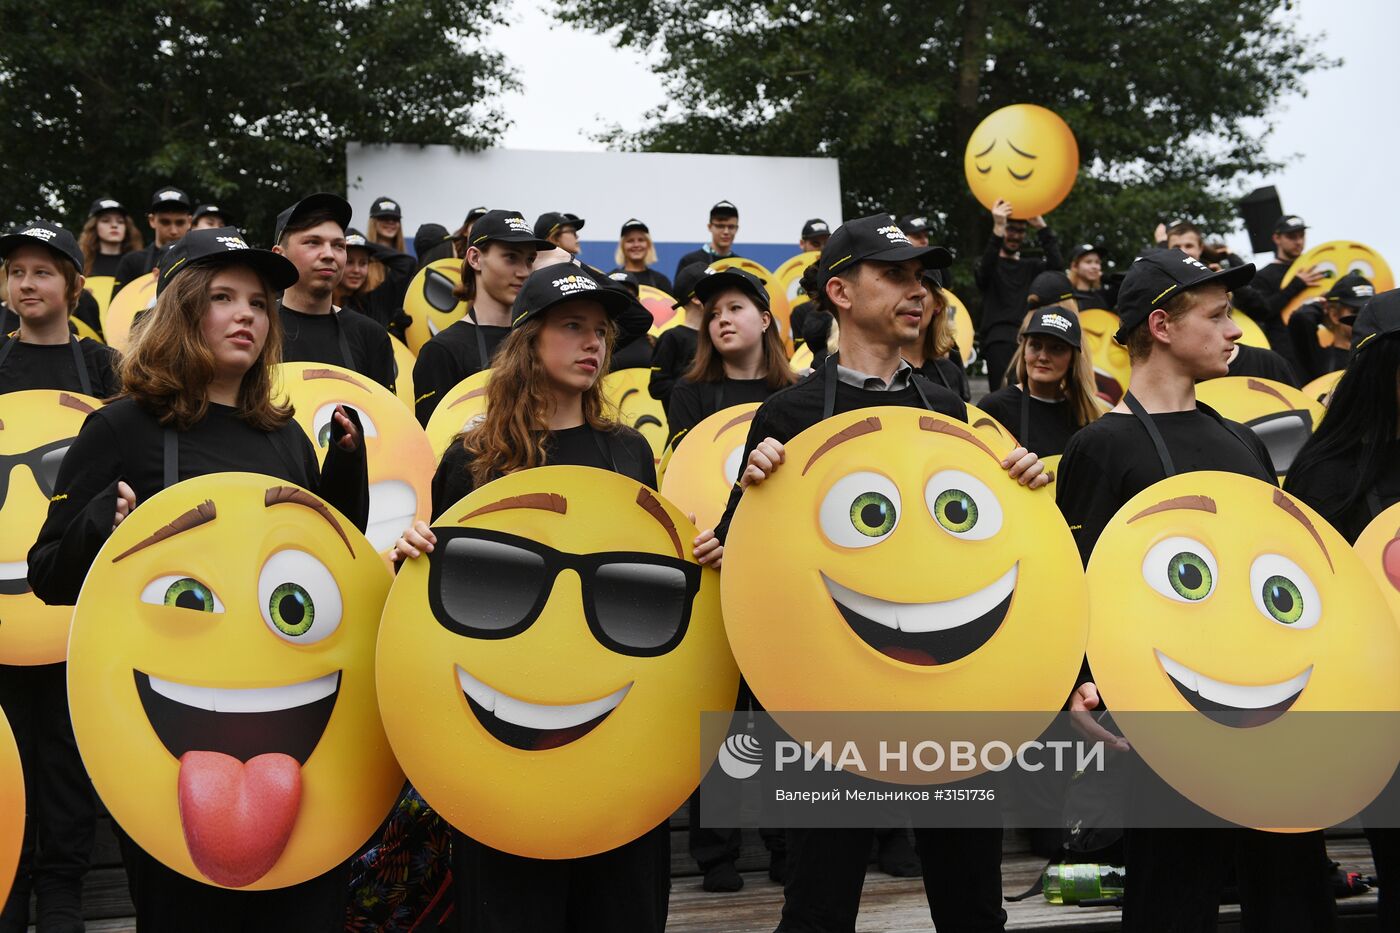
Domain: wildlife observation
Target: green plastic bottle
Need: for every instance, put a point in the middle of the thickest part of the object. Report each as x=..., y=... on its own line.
x=1070, y=884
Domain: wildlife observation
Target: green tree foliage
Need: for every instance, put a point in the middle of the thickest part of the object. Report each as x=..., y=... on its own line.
x=1168, y=101
x=248, y=103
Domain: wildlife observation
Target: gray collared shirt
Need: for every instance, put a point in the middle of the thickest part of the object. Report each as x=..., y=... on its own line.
x=900, y=379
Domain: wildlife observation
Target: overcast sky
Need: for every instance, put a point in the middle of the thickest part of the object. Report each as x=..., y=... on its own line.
x=1339, y=142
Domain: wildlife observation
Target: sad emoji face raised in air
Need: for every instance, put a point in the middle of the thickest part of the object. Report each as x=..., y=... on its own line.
x=1023, y=154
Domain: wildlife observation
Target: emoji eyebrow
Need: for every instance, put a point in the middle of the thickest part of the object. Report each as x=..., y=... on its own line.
x=1018, y=151
x=989, y=148
x=291, y=494
x=987, y=423
x=655, y=509
x=860, y=428
x=199, y=515
x=332, y=374
x=474, y=393
x=1199, y=503
x=1257, y=386
x=1361, y=246
x=1288, y=506
x=738, y=419
x=1326, y=249
x=545, y=501
x=943, y=427
x=75, y=403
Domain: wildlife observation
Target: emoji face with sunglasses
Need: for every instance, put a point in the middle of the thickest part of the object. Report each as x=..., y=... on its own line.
x=36, y=429
x=541, y=672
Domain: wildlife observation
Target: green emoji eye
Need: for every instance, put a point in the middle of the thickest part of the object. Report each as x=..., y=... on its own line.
x=323, y=437
x=1181, y=569
x=872, y=514
x=291, y=609
x=1282, y=600
x=1284, y=593
x=955, y=510
x=189, y=593
x=1190, y=576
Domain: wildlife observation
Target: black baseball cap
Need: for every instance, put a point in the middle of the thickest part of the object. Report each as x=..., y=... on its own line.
x=1056, y=322
x=1084, y=249
x=560, y=282
x=204, y=210
x=724, y=209
x=1163, y=273
x=506, y=227
x=634, y=224
x=386, y=207
x=223, y=246
x=475, y=214
x=1379, y=317
x=171, y=199
x=336, y=206
x=874, y=237
x=627, y=280
x=1047, y=288
x=686, y=280
x=814, y=228
x=913, y=223
x=1352, y=290
x=102, y=205
x=43, y=233
x=715, y=281
x=354, y=238
x=1289, y=223
x=428, y=236
x=549, y=223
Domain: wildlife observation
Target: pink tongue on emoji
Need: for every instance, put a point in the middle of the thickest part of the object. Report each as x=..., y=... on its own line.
x=237, y=817
x=1390, y=560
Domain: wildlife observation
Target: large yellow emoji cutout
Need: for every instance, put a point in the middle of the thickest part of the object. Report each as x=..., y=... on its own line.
x=463, y=404
x=11, y=808
x=403, y=371
x=1023, y=154
x=1225, y=601
x=221, y=681
x=1282, y=417
x=135, y=298
x=704, y=463
x=36, y=429
x=914, y=574
x=628, y=391
x=430, y=301
x=1321, y=388
x=401, y=462
x=1379, y=549
x=1112, y=368
x=542, y=672
x=1335, y=259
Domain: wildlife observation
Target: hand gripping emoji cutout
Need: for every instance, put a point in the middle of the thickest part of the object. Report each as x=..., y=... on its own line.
x=1379, y=549
x=541, y=672
x=463, y=403
x=401, y=462
x=220, y=677
x=1226, y=601
x=704, y=464
x=1282, y=417
x=1335, y=259
x=430, y=301
x=11, y=808
x=628, y=391
x=915, y=575
x=36, y=428
x=1023, y=154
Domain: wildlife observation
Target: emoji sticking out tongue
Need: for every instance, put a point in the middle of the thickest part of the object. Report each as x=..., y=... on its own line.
x=237, y=817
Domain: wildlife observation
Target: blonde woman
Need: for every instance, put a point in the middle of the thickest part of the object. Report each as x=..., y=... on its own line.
x=637, y=254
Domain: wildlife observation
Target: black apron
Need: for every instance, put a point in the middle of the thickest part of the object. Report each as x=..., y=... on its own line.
x=1164, y=455
x=83, y=378
x=831, y=378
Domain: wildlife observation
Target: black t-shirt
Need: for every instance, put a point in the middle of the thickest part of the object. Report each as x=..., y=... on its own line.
x=1090, y=299
x=1005, y=282
x=789, y=412
x=675, y=351
x=43, y=366
x=1108, y=462
x=704, y=256
x=124, y=441
x=384, y=305
x=105, y=264
x=450, y=357
x=692, y=403
x=131, y=266
x=1313, y=358
x=949, y=372
x=1262, y=364
x=1051, y=423
x=315, y=338
x=650, y=277
x=627, y=452
x=636, y=355
x=1327, y=484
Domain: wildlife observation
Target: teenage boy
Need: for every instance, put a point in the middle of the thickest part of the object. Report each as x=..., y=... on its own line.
x=169, y=218
x=209, y=216
x=871, y=276
x=311, y=233
x=1086, y=275
x=1290, y=240
x=1004, y=279
x=815, y=233
x=1176, y=325
x=723, y=227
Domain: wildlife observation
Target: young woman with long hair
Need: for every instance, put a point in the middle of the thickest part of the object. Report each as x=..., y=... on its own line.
x=739, y=354
x=545, y=406
x=936, y=354
x=636, y=253
x=375, y=280
x=386, y=224
x=106, y=236
x=197, y=384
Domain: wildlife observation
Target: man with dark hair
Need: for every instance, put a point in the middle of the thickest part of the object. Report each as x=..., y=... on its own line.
x=815, y=233
x=724, y=226
x=915, y=227
x=1005, y=279
x=311, y=233
x=1290, y=240
x=1186, y=236
x=169, y=218
x=1176, y=324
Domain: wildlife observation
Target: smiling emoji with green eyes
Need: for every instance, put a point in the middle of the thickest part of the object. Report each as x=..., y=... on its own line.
x=1023, y=154
x=221, y=681
x=1226, y=616
x=913, y=574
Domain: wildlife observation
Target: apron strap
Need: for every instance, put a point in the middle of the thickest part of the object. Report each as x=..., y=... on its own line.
x=84, y=379
x=483, y=357
x=1024, y=438
x=1142, y=416
x=829, y=386
x=171, y=472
